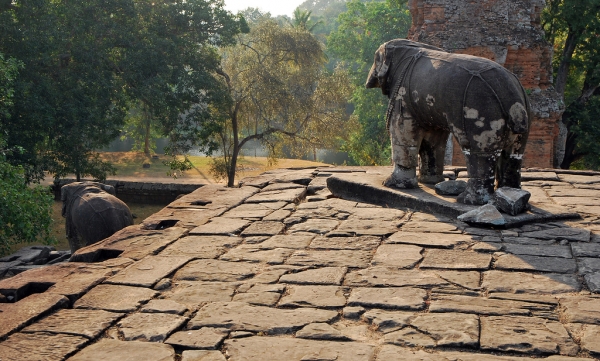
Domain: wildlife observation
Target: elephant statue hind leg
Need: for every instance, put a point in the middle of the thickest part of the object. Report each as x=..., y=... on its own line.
x=480, y=187
x=431, y=157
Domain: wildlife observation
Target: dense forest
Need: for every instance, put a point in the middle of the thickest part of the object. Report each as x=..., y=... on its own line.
x=76, y=75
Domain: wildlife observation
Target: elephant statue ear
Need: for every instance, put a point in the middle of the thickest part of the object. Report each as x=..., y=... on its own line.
x=383, y=69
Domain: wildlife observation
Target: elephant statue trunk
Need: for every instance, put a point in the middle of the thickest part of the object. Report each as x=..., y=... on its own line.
x=432, y=94
x=92, y=213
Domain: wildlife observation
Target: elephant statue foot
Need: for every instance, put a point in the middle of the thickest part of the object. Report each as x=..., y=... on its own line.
x=403, y=178
x=477, y=193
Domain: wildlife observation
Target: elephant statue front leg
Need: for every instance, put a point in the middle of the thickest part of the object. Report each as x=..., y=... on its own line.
x=480, y=187
x=431, y=157
x=509, y=164
x=406, y=139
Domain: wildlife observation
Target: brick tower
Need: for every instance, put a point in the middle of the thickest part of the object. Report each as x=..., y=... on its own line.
x=509, y=33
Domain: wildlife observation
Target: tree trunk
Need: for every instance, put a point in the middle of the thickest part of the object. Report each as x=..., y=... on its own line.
x=236, y=148
x=147, y=140
x=565, y=63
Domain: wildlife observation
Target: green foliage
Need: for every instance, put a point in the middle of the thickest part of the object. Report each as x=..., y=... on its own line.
x=572, y=26
x=362, y=28
x=25, y=212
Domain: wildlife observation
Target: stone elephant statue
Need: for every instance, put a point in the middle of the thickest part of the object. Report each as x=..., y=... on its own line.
x=434, y=93
x=92, y=213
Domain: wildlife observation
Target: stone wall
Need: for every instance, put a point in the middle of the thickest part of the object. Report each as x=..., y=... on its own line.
x=509, y=33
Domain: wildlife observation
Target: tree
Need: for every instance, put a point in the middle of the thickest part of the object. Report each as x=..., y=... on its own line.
x=280, y=94
x=25, y=212
x=572, y=26
x=362, y=28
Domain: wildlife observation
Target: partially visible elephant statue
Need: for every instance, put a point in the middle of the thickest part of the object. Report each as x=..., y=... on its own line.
x=433, y=93
x=92, y=213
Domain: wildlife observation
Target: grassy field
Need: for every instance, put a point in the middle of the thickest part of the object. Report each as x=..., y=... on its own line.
x=130, y=164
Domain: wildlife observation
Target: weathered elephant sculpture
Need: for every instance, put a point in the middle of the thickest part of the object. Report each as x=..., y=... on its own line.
x=92, y=213
x=433, y=93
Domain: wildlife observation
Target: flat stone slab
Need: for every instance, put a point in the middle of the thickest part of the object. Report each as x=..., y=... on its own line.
x=569, y=234
x=539, y=250
x=321, y=331
x=314, y=296
x=531, y=335
x=263, y=228
x=193, y=294
x=357, y=243
x=381, y=276
x=521, y=282
x=317, y=276
x=109, y=349
x=164, y=306
x=581, y=309
x=86, y=323
x=216, y=270
x=368, y=188
x=295, y=349
x=255, y=253
x=248, y=211
x=201, y=246
x=586, y=249
x=239, y=316
x=391, y=352
x=149, y=270
x=40, y=346
x=355, y=226
x=152, y=327
x=293, y=195
x=203, y=339
x=334, y=258
x=294, y=241
x=397, y=255
x=115, y=298
x=315, y=225
x=588, y=335
x=485, y=306
x=588, y=265
x=534, y=263
x=579, y=179
x=430, y=227
x=221, y=226
x=456, y=259
x=438, y=330
x=202, y=355
x=441, y=240
x=14, y=316
x=406, y=298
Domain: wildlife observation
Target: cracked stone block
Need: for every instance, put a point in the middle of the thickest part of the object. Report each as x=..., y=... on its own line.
x=440, y=240
x=115, y=298
x=353, y=312
x=108, y=349
x=263, y=228
x=378, y=276
x=485, y=215
x=357, y=243
x=202, y=355
x=40, y=346
x=393, y=298
x=397, y=255
x=152, y=327
x=164, y=306
x=316, y=225
x=296, y=349
x=193, y=294
x=221, y=226
x=456, y=259
x=485, y=306
x=216, y=270
x=202, y=246
x=430, y=227
x=588, y=265
x=205, y=338
x=593, y=281
x=531, y=335
x=14, y=316
x=355, y=226
x=149, y=270
x=539, y=250
x=292, y=195
x=320, y=331
x=334, y=258
x=569, y=234
x=314, y=296
x=86, y=323
x=586, y=249
x=521, y=282
x=511, y=200
x=248, y=211
x=294, y=241
x=254, y=253
x=581, y=309
x=317, y=276
x=535, y=263
x=239, y=316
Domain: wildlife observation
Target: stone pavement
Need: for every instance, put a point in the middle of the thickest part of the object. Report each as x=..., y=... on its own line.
x=279, y=270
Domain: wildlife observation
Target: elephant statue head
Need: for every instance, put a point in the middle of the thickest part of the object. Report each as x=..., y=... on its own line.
x=92, y=213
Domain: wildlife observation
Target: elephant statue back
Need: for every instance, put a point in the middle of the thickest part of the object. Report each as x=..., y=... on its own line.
x=92, y=213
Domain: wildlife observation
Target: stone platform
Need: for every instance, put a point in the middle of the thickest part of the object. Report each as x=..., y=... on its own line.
x=279, y=269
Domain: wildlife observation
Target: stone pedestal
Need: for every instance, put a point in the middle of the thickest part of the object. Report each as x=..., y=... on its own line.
x=509, y=33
